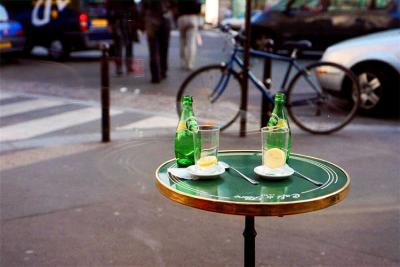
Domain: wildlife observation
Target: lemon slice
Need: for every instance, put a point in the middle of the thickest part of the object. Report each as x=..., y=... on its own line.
x=207, y=161
x=274, y=158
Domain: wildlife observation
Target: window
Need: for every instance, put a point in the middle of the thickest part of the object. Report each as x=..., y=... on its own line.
x=382, y=3
x=289, y=4
x=3, y=14
x=359, y=4
x=350, y=5
x=95, y=8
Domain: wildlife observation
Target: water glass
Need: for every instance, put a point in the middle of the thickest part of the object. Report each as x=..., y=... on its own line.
x=275, y=146
x=206, y=144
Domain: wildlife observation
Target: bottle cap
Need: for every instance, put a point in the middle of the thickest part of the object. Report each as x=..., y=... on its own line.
x=187, y=100
x=279, y=97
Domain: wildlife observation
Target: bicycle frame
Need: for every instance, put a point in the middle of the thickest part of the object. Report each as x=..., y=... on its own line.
x=235, y=59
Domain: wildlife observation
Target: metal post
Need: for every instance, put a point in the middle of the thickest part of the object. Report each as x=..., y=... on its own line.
x=105, y=93
x=266, y=106
x=245, y=76
x=249, y=234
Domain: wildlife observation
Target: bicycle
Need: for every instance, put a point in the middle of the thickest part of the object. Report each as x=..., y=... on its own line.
x=311, y=101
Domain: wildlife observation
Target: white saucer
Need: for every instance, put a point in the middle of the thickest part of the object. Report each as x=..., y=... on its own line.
x=274, y=174
x=198, y=173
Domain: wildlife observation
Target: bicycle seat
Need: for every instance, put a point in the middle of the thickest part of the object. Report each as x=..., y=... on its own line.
x=302, y=44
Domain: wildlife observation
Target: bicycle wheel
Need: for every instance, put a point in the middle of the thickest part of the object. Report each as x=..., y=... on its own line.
x=323, y=97
x=216, y=95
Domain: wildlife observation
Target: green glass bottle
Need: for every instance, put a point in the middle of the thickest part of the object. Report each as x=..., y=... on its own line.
x=184, y=147
x=279, y=118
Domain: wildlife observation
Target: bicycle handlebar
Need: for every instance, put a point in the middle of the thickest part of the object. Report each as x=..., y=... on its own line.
x=237, y=37
x=294, y=46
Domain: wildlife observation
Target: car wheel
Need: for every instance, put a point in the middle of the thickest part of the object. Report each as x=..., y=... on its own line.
x=377, y=88
x=58, y=50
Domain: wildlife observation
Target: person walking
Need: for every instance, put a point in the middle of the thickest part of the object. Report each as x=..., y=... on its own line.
x=188, y=12
x=123, y=19
x=157, y=24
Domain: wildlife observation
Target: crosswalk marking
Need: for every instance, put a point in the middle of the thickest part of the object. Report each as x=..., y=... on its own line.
x=31, y=128
x=25, y=106
x=152, y=122
x=49, y=124
x=4, y=95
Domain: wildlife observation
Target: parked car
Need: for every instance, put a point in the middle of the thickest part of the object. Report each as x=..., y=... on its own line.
x=375, y=59
x=12, y=39
x=61, y=26
x=323, y=22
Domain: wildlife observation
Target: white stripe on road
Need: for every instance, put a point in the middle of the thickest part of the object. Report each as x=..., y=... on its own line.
x=152, y=122
x=4, y=95
x=50, y=124
x=25, y=106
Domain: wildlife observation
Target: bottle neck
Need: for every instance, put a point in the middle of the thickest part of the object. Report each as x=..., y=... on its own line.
x=187, y=112
x=278, y=107
x=278, y=114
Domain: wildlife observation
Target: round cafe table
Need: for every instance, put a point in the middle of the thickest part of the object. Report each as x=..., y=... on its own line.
x=231, y=194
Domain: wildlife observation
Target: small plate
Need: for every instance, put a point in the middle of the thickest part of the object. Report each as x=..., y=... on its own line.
x=274, y=174
x=197, y=173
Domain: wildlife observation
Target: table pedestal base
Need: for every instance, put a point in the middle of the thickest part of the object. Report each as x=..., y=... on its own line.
x=249, y=234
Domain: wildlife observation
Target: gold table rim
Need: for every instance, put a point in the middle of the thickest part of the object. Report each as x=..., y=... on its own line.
x=256, y=208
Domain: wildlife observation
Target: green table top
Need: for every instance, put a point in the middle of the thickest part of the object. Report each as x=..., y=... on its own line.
x=231, y=194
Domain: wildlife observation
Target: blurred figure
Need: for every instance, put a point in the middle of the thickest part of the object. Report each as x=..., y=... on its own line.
x=157, y=24
x=123, y=16
x=187, y=12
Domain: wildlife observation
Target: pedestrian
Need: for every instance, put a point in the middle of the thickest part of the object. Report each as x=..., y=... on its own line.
x=187, y=12
x=123, y=19
x=157, y=24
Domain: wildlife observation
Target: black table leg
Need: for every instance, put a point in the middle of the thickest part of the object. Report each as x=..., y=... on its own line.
x=249, y=234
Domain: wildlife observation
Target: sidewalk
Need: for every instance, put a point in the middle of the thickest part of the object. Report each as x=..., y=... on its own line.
x=96, y=205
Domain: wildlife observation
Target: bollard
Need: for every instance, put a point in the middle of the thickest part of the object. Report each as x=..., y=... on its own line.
x=266, y=106
x=245, y=74
x=105, y=93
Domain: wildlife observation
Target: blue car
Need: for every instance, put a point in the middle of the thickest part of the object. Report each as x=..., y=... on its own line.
x=61, y=26
x=12, y=37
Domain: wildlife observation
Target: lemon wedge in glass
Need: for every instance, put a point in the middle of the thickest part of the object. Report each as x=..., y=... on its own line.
x=207, y=161
x=274, y=158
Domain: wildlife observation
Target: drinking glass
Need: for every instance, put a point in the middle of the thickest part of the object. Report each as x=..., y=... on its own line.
x=206, y=144
x=275, y=146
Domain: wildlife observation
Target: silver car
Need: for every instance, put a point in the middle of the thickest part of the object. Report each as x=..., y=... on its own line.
x=375, y=59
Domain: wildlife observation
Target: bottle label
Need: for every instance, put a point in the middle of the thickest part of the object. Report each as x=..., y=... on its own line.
x=191, y=124
x=273, y=120
x=274, y=117
x=181, y=126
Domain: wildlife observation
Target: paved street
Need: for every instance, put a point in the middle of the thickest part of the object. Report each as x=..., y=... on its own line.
x=29, y=121
x=68, y=200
